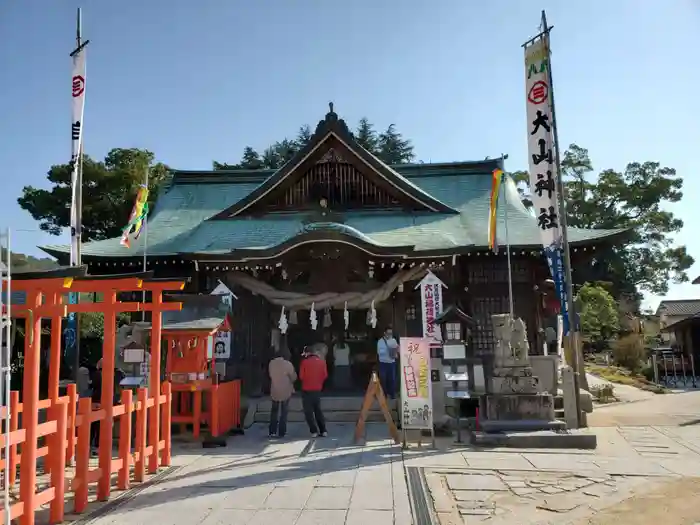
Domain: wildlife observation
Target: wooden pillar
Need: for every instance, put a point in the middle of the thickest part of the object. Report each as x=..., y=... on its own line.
x=30, y=411
x=107, y=396
x=154, y=380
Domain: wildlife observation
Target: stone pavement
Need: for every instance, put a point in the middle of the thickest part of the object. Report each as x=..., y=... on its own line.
x=521, y=487
x=297, y=481
x=331, y=481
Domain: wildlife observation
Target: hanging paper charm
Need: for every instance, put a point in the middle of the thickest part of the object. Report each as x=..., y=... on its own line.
x=137, y=217
x=346, y=316
x=372, y=316
x=293, y=317
x=327, y=320
x=283, y=325
x=312, y=316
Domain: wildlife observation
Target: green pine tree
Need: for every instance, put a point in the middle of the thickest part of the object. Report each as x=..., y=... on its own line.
x=303, y=136
x=251, y=159
x=271, y=158
x=393, y=148
x=366, y=136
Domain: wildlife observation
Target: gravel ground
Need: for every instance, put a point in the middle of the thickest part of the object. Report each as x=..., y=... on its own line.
x=673, y=503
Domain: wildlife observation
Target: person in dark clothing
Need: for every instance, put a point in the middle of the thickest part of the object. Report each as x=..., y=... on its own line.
x=313, y=374
x=96, y=400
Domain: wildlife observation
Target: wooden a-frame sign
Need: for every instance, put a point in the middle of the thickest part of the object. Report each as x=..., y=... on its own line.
x=374, y=390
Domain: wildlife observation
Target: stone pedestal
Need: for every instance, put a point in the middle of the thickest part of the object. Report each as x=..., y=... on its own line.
x=513, y=400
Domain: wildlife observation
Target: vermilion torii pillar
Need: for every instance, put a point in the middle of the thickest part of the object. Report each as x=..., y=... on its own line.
x=44, y=298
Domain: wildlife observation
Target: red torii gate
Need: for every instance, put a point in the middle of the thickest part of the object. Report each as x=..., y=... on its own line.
x=44, y=298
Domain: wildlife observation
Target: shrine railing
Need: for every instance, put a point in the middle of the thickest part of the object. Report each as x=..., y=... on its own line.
x=66, y=433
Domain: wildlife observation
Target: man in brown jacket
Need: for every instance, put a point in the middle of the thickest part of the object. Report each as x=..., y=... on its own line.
x=282, y=377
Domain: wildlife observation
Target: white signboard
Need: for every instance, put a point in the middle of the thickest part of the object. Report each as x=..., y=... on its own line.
x=431, y=305
x=416, y=387
x=134, y=355
x=222, y=345
x=543, y=169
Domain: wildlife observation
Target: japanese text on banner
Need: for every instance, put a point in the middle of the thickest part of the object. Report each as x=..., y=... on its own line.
x=416, y=387
x=78, y=96
x=431, y=304
x=543, y=170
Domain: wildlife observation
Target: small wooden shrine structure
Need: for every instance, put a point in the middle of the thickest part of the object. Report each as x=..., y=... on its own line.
x=199, y=395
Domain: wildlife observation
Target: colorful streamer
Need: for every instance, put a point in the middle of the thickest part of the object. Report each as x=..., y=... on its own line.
x=137, y=217
x=493, y=207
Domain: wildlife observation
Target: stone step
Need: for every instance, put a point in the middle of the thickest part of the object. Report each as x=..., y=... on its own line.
x=540, y=439
x=332, y=416
x=328, y=404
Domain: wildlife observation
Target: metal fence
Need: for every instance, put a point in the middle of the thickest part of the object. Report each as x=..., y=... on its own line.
x=674, y=371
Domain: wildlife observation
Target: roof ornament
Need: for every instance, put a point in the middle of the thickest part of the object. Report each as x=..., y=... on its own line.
x=331, y=116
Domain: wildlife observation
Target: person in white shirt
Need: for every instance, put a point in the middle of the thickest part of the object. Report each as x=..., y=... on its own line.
x=342, y=377
x=387, y=352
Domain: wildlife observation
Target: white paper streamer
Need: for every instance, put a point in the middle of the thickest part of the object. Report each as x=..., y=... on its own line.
x=312, y=316
x=283, y=324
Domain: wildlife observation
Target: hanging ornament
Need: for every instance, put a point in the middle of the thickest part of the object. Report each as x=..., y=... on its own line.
x=346, y=316
x=327, y=320
x=283, y=325
x=284, y=274
x=372, y=316
x=293, y=317
x=312, y=316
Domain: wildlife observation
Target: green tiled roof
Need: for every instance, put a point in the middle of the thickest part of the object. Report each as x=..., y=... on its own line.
x=179, y=223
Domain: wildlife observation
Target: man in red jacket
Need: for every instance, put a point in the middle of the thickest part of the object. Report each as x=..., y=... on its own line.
x=313, y=374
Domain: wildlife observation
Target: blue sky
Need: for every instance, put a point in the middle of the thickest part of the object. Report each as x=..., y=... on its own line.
x=195, y=81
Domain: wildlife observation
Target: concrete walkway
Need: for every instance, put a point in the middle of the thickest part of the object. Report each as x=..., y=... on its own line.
x=331, y=481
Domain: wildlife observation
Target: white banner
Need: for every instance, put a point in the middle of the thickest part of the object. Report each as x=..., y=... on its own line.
x=222, y=345
x=542, y=164
x=431, y=305
x=543, y=170
x=78, y=94
x=416, y=386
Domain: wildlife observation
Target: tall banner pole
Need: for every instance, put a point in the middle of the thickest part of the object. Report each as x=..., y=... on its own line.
x=502, y=187
x=510, y=268
x=546, y=185
x=72, y=332
x=145, y=246
x=568, y=282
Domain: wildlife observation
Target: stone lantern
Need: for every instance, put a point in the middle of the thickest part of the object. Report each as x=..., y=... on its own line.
x=455, y=328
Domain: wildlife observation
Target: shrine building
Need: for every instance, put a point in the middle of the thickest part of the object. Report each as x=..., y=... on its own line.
x=336, y=227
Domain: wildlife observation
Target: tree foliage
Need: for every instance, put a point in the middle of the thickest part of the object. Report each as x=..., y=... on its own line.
x=109, y=191
x=389, y=146
x=26, y=263
x=598, y=312
x=634, y=199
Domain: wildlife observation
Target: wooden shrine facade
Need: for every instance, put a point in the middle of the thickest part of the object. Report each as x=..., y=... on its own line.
x=478, y=282
x=335, y=224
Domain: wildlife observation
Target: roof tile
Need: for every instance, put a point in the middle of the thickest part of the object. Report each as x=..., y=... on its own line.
x=179, y=223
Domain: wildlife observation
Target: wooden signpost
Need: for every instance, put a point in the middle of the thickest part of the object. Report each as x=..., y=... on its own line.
x=374, y=390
